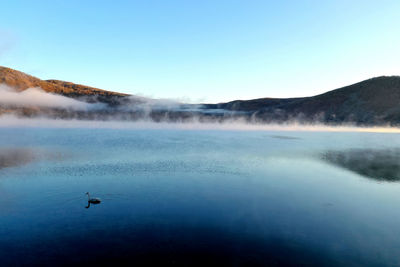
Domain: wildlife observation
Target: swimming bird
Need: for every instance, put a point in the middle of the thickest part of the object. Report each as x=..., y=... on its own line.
x=93, y=200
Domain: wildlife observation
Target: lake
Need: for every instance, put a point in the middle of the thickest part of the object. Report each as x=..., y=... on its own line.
x=199, y=197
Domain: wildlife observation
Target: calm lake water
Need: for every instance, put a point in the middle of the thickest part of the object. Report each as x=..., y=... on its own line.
x=196, y=197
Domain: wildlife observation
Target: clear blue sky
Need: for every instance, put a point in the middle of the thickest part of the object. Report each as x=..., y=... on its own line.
x=209, y=50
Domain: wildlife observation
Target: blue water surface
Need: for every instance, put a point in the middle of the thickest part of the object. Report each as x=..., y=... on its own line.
x=195, y=197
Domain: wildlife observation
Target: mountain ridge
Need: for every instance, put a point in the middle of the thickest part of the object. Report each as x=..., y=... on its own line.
x=375, y=101
x=22, y=81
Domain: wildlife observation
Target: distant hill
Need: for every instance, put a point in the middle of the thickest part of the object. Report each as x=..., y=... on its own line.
x=371, y=102
x=21, y=81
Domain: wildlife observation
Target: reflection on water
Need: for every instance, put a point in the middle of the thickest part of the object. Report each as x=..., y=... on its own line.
x=284, y=137
x=381, y=165
x=19, y=156
x=10, y=157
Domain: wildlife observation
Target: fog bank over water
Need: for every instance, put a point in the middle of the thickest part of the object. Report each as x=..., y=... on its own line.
x=36, y=97
x=10, y=121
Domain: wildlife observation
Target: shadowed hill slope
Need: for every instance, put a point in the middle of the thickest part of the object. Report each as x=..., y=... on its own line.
x=375, y=100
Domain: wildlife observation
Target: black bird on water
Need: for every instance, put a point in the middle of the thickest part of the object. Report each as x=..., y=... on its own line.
x=93, y=200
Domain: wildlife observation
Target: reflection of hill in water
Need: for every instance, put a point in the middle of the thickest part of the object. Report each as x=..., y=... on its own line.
x=15, y=157
x=285, y=137
x=381, y=165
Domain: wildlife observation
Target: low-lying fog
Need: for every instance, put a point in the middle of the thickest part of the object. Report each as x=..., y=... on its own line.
x=36, y=97
x=240, y=125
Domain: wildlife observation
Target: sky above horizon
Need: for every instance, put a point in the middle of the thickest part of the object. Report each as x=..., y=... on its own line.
x=203, y=51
